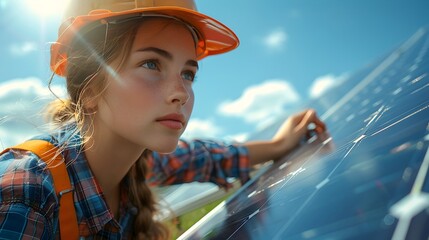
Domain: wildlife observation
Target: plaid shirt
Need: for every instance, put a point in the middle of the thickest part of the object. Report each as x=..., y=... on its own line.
x=29, y=205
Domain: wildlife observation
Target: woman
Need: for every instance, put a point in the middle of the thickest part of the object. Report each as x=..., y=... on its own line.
x=129, y=73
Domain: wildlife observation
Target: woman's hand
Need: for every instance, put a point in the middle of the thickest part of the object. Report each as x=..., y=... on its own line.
x=288, y=136
x=296, y=127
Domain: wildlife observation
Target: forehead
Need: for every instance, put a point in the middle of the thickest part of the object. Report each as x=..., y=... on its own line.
x=161, y=31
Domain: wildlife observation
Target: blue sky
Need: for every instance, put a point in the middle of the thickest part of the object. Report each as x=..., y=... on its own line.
x=290, y=52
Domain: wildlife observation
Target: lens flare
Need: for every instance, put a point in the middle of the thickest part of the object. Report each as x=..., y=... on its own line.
x=47, y=8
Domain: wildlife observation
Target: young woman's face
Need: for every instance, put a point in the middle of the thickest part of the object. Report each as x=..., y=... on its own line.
x=149, y=101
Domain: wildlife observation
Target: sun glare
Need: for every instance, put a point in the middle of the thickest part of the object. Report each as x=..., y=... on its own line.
x=46, y=8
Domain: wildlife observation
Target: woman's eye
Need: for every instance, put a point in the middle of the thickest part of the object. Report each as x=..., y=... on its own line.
x=150, y=64
x=188, y=75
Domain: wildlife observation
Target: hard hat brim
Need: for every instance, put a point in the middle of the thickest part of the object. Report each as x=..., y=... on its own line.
x=216, y=38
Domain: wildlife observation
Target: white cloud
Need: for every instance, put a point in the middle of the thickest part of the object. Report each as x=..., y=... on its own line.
x=199, y=128
x=209, y=129
x=23, y=48
x=21, y=101
x=323, y=83
x=239, y=137
x=261, y=103
x=276, y=39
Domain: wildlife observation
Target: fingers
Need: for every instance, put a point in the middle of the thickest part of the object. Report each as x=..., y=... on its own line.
x=297, y=118
x=320, y=126
x=303, y=119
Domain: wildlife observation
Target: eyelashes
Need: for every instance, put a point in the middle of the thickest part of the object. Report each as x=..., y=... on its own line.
x=155, y=65
x=151, y=64
x=189, y=75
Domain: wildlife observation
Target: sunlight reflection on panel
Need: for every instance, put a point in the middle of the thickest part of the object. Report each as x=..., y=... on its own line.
x=364, y=179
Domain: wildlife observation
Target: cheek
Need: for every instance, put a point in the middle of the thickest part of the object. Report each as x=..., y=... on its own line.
x=190, y=103
x=128, y=99
x=140, y=88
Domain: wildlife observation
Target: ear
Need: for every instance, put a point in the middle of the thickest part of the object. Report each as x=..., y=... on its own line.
x=90, y=99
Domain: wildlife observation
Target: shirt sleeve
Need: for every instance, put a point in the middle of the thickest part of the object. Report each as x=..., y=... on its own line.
x=202, y=161
x=27, y=198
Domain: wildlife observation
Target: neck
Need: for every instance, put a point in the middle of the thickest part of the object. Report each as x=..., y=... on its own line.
x=110, y=158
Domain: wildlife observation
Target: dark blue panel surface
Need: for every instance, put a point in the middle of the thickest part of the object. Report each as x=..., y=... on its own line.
x=364, y=179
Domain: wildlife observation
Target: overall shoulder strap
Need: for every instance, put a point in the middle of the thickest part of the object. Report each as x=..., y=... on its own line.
x=51, y=156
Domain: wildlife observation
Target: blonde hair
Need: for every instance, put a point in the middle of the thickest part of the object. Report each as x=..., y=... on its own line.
x=87, y=57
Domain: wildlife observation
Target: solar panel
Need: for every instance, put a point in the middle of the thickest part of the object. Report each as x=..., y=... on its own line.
x=364, y=179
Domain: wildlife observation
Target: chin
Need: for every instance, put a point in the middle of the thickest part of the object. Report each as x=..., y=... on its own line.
x=165, y=151
x=164, y=148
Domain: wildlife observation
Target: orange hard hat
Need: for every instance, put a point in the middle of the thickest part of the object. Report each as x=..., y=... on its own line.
x=213, y=36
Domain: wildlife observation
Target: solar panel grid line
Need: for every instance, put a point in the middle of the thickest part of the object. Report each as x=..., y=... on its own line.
x=401, y=119
x=345, y=185
x=203, y=220
x=320, y=185
x=238, y=228
x=421, y=175
x=405, y=210
x=317, y=187
x=208, y=216
x=377, y=71
x=285, y=226
x=374, y=116
x=291, y=173
x=283, y=181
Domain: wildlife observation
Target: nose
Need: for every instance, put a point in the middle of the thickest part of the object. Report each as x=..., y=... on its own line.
x=179, y=92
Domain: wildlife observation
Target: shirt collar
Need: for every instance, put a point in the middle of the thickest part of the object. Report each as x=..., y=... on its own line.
x=88, y=195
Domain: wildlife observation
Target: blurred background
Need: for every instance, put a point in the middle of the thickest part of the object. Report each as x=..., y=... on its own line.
x=291, y=52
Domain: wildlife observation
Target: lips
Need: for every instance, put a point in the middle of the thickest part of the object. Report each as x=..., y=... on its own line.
x=173, y=121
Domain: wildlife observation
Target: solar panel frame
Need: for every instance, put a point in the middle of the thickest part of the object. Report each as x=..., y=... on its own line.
x=365, y=178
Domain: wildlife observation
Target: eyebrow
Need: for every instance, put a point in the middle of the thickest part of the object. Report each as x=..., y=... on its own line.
x=167, y=55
